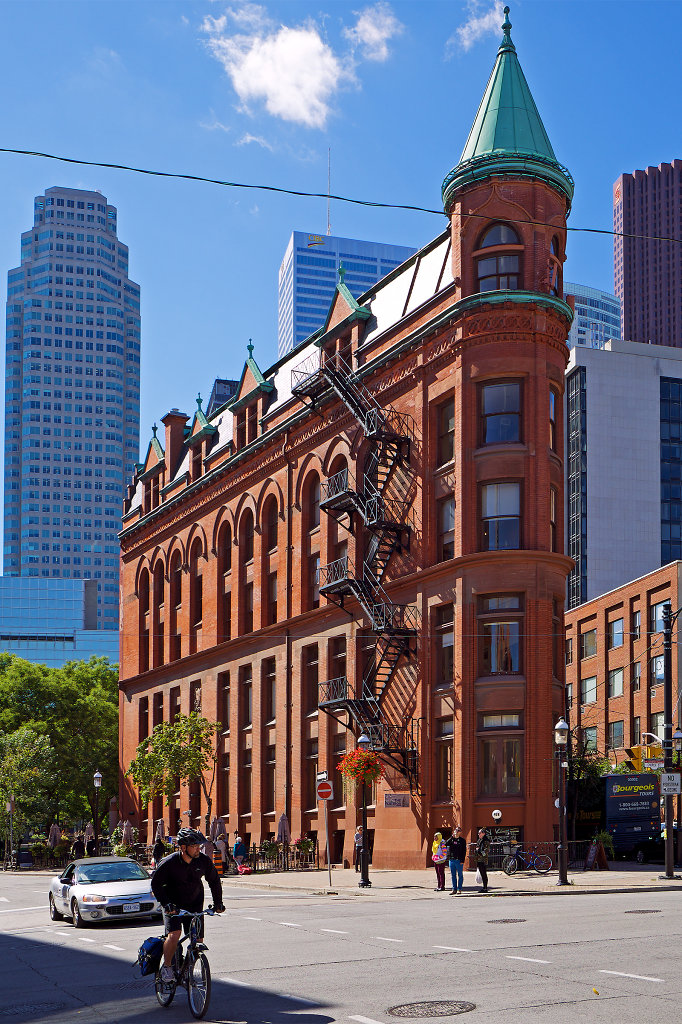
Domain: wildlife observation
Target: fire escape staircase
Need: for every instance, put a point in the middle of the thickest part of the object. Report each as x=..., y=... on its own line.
x=385, y=531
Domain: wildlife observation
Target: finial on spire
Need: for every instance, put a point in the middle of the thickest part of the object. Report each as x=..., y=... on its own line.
x=506, y=28
x=154, y=429
x=199, y=401
x=342, y=273
x=250, y=349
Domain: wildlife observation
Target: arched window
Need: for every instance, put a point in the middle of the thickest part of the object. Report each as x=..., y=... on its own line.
x=499, y=269
x=555, y=282
x=270, y=523
x=312, y=501
x=175, y=577
x=246, y=537
x=143, y=592
x=196, y=595
x=224, y=582
x=158, y=623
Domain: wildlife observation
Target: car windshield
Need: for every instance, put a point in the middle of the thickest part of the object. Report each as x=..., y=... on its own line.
x=112, y=871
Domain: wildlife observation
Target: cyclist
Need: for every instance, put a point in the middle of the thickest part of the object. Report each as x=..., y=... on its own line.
x=177, y=884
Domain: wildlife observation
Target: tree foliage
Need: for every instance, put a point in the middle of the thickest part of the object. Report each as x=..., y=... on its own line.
x=184, y=749
x=27, y=774
x=76, y=708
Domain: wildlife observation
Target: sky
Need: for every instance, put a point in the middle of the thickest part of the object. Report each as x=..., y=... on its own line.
x=259, y=93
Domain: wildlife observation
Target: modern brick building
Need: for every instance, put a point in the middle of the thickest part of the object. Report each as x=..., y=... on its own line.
x=647, y=262
x=614, y=662
x=368, y=535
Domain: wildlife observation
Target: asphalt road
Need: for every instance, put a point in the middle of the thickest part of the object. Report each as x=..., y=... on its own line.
x=302, y=959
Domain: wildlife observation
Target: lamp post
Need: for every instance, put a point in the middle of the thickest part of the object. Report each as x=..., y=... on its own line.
x=364, y=883
x=561, y=730
x=97, y=779
x=668, y=619
x=677, y=746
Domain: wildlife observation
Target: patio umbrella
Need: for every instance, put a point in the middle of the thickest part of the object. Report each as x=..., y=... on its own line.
x=283, y=830
x=161, y=830
x=127, y=833
x=89, y=832
x=54, y=836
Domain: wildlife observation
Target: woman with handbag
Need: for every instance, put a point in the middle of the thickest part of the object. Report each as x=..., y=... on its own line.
x=439, y=855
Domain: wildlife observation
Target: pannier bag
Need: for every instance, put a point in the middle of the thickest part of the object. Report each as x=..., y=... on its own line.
x=149, y=955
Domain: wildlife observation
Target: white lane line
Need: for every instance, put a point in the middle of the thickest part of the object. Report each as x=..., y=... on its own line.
x=333, y=931
x=289, y=924
x=22, y=910
x=3, y=899
x=637, y=977
x=41, y=892
x=65, y=934
x=365, y=1020
x=299, y=999
x=252, y=919
x=529, y=959
x=83, y=938
x=107, y=945
x=384, y=938
x=453, y=949
x=235, y=981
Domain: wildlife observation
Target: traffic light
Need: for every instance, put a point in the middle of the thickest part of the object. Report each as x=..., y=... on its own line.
x=635, y=757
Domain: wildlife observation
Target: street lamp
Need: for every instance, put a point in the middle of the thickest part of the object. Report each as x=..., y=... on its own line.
x=97, y=779
x=668, y=619
x=364, y=883
x=561, y=731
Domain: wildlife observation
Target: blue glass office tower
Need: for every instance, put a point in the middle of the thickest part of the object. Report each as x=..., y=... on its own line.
x=72, y=395
x=597, y=316
x=309, y=273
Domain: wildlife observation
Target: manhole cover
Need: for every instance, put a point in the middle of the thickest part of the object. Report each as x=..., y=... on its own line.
x=507, y=920
x=432, y=1008
x=29, y=1009
x=642, y=911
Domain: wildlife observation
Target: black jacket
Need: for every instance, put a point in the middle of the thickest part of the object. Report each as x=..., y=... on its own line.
x=180, y=884
x=457, y=848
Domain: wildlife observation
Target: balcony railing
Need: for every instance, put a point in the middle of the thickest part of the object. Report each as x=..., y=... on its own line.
x=338, y=571
x=395, y=616
x=336, y=485
x=306, y=372
x=333, y=690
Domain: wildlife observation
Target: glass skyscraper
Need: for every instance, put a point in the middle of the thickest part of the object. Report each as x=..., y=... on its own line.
x=597, y=316
x=72, y=395
x=309, y=273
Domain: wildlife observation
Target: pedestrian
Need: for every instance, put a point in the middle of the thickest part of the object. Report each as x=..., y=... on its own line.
x=78, y=847
x=457, y=851
x=239, y=851
x=222, y=846
x=482, y=851
x=91, y=847
x=158, y=851
x=439, y=855
x=357, y=839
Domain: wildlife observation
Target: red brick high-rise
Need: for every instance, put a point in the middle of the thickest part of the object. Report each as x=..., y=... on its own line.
x=369, y=536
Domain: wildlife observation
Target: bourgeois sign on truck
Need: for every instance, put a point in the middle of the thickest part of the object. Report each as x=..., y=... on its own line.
x=633, y=810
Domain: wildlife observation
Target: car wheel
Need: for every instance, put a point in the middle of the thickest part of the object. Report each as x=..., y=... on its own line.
x=78, y=921
x=54, y=913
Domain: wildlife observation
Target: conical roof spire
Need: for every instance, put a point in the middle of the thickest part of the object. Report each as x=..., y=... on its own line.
x=507, y=137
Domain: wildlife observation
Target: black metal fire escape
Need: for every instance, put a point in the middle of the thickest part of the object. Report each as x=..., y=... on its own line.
x=384, y=530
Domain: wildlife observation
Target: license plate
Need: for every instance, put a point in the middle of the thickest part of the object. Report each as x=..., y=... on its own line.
x=131, y=908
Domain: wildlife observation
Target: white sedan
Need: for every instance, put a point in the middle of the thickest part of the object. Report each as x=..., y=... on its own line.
x=102, y=889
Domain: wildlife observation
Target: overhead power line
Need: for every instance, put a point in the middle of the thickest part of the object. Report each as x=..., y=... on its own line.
x=313, y=195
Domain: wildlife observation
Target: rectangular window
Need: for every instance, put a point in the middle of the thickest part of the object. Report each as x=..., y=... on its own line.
x=224, y=697
x=553, y=519
x=500, y=760
x=615, y=633
x=500, y=621
x=588, y=643
x=337, y=657
x=569, y=650
x=501, y=413
x=588, y=690
x=246, y=695
x=656, y=671
x=269, y=683
x=248, y=607
x=501, y=516
x=616, y=682
x=657, y=724
x=590, y=739
x=271, y=605
x=443, y=753
x=636, y=625
x=636, y=676
x=446, y=529
x=569, y=695
x=446, y=432
x=656, y=616
x=247, y=781
x=270, y=778
x=314, y=580
x=310, y=779
x=445, y=645
x=636, y=730
x=553, y=401
x=310, y=666
x=615, y=735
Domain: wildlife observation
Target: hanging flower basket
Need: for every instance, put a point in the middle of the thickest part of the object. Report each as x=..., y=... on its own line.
x=362, y=766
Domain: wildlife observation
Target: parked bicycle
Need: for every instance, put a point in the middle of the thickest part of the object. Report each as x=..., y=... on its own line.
x=192, y=970
x=526, y=860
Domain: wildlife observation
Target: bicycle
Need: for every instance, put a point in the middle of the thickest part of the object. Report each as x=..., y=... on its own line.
x=191, y=971
x=525, y=860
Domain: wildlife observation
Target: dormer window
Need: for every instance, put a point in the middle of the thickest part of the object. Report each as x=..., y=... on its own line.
x=195, y=462
x=499, y=269
x=241, y=429
x=251, y=422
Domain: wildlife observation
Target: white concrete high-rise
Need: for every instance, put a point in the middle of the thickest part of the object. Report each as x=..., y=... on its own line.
x=597, y=316
x=72, y=395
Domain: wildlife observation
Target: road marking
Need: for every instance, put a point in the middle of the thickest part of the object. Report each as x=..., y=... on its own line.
x=299, y=999
x=252, y=919
x=3, y=899
x=289, y=924
x=333, y=931
x=637, y=977
x=22, y=910
x=384, y=938
x=365, y=1020
x=107, y=945
x=41, y=892
x=529, y=959
x=65, y=934
x=453, y=949
x=83, y=938
x=235, y=981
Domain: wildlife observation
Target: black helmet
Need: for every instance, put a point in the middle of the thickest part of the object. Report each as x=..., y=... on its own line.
x=188, y=836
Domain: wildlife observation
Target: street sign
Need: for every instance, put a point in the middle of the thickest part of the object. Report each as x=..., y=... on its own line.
x=670, y=783
x=325, y=790
x=322, y=776
x=653, y=764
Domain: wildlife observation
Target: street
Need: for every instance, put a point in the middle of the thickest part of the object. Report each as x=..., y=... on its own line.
x=353, y=959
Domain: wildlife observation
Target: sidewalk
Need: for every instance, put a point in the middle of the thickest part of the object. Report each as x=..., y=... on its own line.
x=420, y=884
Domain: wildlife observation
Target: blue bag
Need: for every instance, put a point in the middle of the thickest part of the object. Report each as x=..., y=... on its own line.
x=149, y=955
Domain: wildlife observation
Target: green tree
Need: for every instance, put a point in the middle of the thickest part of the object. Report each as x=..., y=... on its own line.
x=76, y=707
x=27, y=774
x=586, y=768
x=184, y=749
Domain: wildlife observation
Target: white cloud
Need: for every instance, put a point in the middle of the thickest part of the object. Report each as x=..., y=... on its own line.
x=374, y=28
x=214, y=125
x=258, y=139
x=481, y=22
x=292, y=71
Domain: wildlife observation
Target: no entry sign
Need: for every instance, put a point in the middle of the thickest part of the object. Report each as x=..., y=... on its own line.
x=325, y=790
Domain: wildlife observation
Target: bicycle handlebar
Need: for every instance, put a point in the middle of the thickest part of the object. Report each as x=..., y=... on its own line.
x=211, y=911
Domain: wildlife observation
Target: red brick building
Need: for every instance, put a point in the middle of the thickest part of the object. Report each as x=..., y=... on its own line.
x=614, y=663
x=368, y=536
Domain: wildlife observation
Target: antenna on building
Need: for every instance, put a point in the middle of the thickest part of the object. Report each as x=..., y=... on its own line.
x=329, y=188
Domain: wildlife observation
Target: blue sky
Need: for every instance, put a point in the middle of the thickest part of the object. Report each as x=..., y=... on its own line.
x=258, y=92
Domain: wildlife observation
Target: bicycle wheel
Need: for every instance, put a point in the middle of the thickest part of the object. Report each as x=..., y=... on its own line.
x=510, y=865
x=164, y=990
x=198, y=985
x=542, y=864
